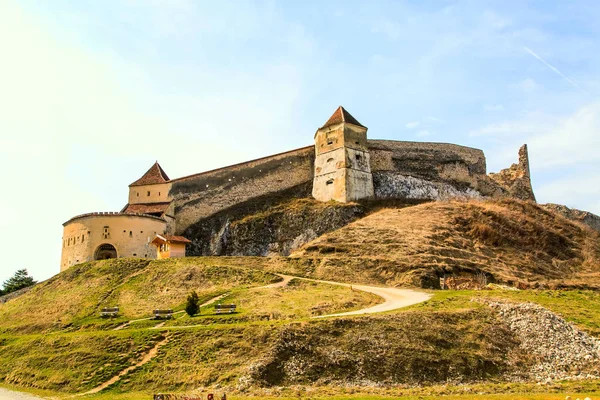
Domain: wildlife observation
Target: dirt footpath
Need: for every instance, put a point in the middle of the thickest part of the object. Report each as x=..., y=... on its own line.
x=10, y=395
x=394, y=298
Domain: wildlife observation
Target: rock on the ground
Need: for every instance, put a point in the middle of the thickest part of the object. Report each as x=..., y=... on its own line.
x=560, y=350
x=587, y=218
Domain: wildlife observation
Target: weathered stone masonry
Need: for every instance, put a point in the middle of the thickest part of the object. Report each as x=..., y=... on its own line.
x=342, y=165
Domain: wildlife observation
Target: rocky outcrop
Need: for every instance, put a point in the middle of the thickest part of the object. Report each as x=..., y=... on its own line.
x=288, y=227
x=584, y=217
x=395, y=185
x=269, y=225
x=516, y=180
x=559, y=350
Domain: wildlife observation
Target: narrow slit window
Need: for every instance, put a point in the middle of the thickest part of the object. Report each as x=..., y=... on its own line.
x=329, y=182
x=329, y=160
x=148, y=193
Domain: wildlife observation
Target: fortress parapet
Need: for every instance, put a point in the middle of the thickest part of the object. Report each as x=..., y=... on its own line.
x=101, y=235
x=343, y=165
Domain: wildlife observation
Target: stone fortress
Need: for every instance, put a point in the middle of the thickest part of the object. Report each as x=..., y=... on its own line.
x=343, y=165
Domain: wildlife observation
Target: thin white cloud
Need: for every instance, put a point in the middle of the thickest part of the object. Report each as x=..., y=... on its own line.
x=553, y=141
x=412, y=125
x=527, y=85
x=434, y=119
x=571, y=190
x=553, y=68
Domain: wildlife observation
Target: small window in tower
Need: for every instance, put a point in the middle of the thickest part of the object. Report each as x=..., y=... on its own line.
x=330, y=160
x=82, y=238
x=159, y=193
x=329, y=182
x=358, y=157
x=137, y=194
x=141, y=231
x=130, y=234
x=148, y=193
x=124, y=231
x=329, y=142
x=135, y=255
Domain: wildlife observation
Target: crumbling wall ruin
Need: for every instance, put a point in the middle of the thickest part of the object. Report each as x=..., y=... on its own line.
x=516, y=180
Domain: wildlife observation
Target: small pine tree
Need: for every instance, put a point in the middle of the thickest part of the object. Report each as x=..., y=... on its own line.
x=193, y=304
x=18, y=281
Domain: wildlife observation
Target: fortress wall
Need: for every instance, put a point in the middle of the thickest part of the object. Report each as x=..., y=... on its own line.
x=201, y=195
x=440, y=161
x=82, y=236
x=392, y=162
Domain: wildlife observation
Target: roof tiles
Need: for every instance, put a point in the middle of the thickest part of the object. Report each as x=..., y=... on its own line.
x=341, y=115
x=153, y=176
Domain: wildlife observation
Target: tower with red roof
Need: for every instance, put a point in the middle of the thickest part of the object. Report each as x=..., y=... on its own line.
x=342, y=163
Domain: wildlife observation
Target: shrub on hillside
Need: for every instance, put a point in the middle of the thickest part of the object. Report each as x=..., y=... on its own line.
x=193, y=304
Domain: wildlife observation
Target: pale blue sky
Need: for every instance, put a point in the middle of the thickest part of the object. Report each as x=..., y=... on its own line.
x=92, y=92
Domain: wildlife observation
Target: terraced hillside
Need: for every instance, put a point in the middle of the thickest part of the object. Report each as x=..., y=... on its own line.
x=512, y=242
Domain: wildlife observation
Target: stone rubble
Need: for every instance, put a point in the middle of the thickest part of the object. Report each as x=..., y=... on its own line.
x=560, y=350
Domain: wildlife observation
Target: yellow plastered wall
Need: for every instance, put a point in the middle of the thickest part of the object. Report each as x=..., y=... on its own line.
x=129, y=234
x=149, y=193
x=172, y=250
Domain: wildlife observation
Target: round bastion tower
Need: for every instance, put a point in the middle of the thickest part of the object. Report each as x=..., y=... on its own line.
x=128, y=233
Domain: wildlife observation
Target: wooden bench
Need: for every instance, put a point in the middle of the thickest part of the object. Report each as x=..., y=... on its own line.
x=221, y=308
x=109, y=312
x=163, y=314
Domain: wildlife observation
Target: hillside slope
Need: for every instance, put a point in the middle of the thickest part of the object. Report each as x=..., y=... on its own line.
x=73, y=299
x=513, y=242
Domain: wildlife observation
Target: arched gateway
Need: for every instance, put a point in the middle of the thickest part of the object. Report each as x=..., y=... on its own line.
x=105, y=251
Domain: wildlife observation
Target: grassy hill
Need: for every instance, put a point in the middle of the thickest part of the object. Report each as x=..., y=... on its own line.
x=510, y=241
x=52, y=338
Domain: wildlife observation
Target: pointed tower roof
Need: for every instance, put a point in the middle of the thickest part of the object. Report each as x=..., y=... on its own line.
x=153, y=176
x=341, y=115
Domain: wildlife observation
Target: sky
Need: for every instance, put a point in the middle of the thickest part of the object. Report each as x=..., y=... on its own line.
x=93, y=92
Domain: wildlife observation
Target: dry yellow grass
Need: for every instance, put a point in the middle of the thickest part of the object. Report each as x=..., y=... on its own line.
x=511, y=241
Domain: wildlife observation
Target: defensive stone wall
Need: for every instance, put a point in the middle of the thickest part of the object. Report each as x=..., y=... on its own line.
x=516, y=180
x=431, y=161
x=433, y=171
x=201, y=195
x=409, y=170
x=129, y=234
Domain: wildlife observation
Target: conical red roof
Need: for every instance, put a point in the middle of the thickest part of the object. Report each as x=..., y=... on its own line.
x=341, y=115
x=153, y=176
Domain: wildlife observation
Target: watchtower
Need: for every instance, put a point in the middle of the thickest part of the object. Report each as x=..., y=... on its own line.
x=342, y=163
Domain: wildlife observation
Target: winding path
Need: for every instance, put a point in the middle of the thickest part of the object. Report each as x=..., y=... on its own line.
x=394, y=298
x=6, y=394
